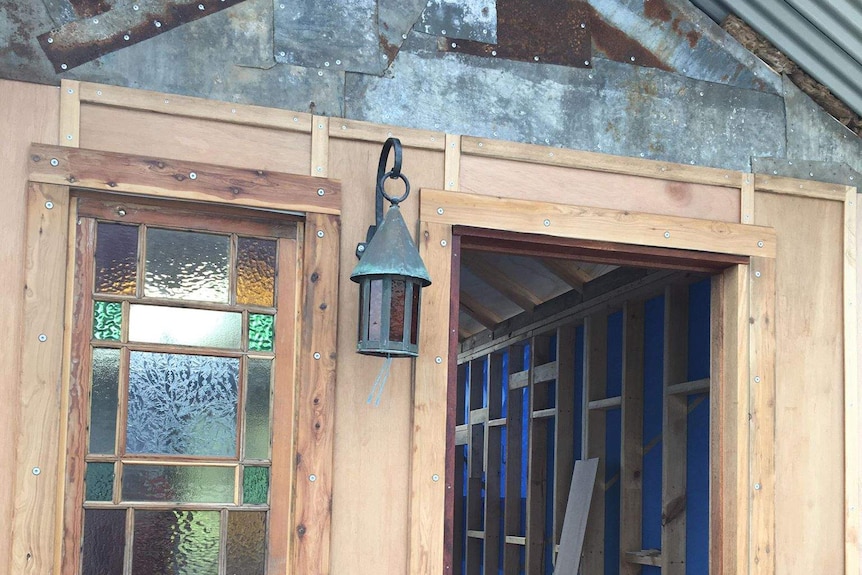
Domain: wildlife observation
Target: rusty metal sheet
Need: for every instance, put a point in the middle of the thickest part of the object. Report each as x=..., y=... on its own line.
x=548, y=31
x=462, y=19
x=84, y=40
x=675, y=36
x=90, y=8
x=396, y=18
x=613, y=108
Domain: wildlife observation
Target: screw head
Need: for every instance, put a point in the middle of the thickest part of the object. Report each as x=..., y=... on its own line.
x=667, y=234
x=316, y=355
x=547, y=223
x=320, y=191
x=435, y=477
x=55, y=162
x=757, y=274
x=50, y=40
x=49, y=205
x=312, y=477
x=320, y=233
x=43, y=338
x=760, y=244
x=757, y=486
x=63, y=66
x=126, y=37
x=193, y=176
x=360, y=248
x=438, y=359
x=756, y=379
x=121, y=212
x=158, y=24
x=440, y=211
x=36, y=471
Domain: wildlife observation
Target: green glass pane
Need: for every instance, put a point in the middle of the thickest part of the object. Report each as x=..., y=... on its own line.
x=257, y=432
x=246, y=539
x=255, y=485
x=103, y=400
x=100, y=481
x=255, y=271
x=261, y=332
x=187, y=265
x=176, y=543
x=178, y=483
x=116, y=259
x=107, y=320
x=182, y=404
x=184, y=326
x=104, y=541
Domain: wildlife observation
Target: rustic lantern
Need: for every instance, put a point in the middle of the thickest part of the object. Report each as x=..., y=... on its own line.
x=390, y=273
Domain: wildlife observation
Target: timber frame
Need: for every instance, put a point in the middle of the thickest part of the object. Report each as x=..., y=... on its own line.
x=314, y=265
x=222, y=133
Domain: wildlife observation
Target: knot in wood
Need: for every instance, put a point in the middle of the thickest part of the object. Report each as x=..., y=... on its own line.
x=112, y=184
x=323, y=306
x=300, y=530
x=314, y=277
x=179, y=177
x=36, y=158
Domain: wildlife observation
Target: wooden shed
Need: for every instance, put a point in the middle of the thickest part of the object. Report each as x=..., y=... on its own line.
x=646, y=257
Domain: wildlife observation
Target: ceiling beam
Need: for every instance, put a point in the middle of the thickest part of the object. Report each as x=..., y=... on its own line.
x=514, y=291
x=568, y=271
x=475, y=309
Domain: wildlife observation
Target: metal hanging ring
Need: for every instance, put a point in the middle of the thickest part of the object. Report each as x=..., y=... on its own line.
x=393, y=176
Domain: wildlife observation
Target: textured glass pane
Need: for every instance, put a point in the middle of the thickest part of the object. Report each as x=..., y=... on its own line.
x=261, y=332
x=414, y=326
x=176, y=543
x=100, y=481
x=178, y=483
x=255, y=271
x=375, y=303
x=107, y=320
x=183, y=326
x=255, y=485
x=246, y=537
x=257, y=408
x=396, y=311
x=104, y=541
x=182, y=404
x=187, y=265
x=116, y=258
x=103, y=400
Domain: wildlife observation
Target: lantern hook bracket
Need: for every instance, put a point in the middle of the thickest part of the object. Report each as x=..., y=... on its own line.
x=391, y=146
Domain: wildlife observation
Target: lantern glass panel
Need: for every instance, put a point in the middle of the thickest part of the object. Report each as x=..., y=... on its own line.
x=396, y=306
x=375, y=310
x=414, y=327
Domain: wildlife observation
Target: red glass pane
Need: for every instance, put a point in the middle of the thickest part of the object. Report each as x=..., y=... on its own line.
x=396, y=311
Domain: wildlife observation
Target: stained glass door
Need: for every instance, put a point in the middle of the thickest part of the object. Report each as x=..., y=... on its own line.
x=170, y=440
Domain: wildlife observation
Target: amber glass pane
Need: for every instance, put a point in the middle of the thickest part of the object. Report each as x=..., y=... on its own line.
x=176, y=543
x=178, y=483
x=396, y=311
x=246, y=536
x=104, y=541
x=257, y=432
x=116, y=258
x=100, y=481
x=255, y=485
x=103, y=400
x=255, y=271
x=187, y=265
x=182, y=404
x=261, y=332
x=107, y=320
x=184, y=326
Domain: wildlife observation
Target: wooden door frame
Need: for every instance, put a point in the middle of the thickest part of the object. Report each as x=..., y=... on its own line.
x=46, y=339
x=742, y=506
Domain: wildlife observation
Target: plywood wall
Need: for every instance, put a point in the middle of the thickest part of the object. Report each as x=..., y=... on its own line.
x=372, y=450
x=28, y=113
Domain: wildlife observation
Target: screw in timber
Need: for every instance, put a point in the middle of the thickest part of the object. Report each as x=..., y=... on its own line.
x=435, y=478
x=193, y=176
x=667, y=234
x=316, y=355
x=55, y=162
x=760, y=244
x=312, y=477
x=320, y=233
x=43, y=338
x=443, y=243
x=438, y=359
x=49, y=205
x=320, y=191
x=440, y=211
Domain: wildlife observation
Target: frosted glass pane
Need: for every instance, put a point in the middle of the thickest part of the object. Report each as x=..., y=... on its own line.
x=182, y=404
x=116, y=259
x=257, y=434
x=255, y=485
x=104, y=541
x=255, y=269
x=261, y=332
x=178, y=483
x=107, y=320
x=103, y=400
x=176, y=543
x=182, y=326
x=187, y=265
x=100, y=481
x=246, y=537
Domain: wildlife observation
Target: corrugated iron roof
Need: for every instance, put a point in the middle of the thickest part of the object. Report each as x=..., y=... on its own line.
x=824, y=38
